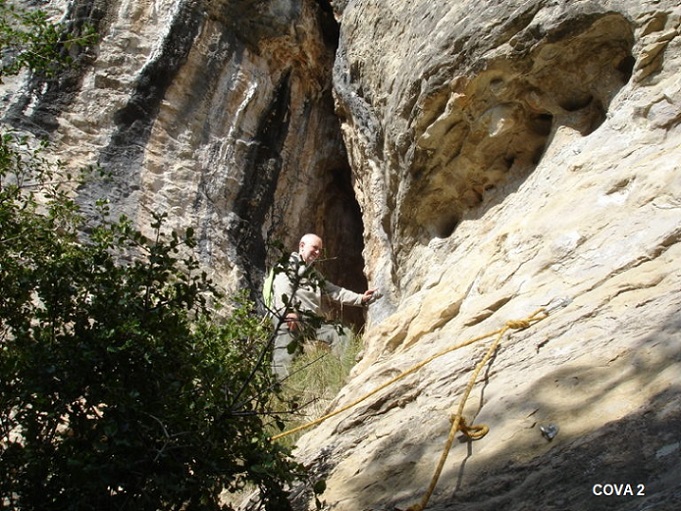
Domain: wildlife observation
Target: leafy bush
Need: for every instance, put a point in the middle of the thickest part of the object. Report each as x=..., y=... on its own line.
x=29, y=40
x=119, y=389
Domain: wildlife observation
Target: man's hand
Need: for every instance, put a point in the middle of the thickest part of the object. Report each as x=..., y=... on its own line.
x=292, y=321
x=370, y=295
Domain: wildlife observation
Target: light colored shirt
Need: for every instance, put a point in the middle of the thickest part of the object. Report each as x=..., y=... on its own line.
x=303, y=286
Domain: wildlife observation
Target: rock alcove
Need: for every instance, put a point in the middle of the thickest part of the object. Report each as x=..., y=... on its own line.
x=486, y=130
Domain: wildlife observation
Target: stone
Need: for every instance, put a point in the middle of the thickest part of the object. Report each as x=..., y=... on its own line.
x=518, y=162
x=478, y=161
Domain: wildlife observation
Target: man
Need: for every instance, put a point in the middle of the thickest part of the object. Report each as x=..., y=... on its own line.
x=297, y=299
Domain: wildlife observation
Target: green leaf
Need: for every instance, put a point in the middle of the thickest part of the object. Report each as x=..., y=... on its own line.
x=319, y=487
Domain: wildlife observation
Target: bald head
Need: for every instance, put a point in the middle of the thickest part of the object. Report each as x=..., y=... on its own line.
x=310, y=248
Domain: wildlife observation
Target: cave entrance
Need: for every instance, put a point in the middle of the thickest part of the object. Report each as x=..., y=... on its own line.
x=342, y=228
x=338, y=217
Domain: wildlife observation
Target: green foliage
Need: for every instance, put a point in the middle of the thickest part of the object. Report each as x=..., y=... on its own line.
x=119, y=389
x=317, y=375
x=29, y=40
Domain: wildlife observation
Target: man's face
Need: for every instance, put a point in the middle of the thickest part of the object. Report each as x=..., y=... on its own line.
x=310, y=249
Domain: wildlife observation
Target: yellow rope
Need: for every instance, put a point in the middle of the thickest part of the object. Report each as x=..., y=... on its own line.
x=404, y=374
x=517, y=324
x=457, y=419
x=472, y=432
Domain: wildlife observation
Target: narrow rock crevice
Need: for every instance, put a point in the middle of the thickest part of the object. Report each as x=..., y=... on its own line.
x=342, y=228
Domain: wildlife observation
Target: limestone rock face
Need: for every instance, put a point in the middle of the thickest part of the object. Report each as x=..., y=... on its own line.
x=512, y=156
x=477, y=161
x=217, y=112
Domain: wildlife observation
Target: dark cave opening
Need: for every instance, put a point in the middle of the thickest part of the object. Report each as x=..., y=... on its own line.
x=338, y=215
x=331, y=211
x=341, y=227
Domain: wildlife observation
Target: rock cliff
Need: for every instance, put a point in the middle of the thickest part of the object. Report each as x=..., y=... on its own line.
x=475, y=160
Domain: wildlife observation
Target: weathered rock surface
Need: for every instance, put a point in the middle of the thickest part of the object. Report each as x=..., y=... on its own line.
x=491, y=158
x=511, y=156
x=217, y=112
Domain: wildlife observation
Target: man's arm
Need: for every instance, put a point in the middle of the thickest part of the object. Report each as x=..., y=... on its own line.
x=345, y=296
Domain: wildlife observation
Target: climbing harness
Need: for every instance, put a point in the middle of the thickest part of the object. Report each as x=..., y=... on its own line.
x=458, y=421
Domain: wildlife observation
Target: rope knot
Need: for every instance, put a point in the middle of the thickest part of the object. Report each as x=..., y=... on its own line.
x=472, y=432
x=518, y=324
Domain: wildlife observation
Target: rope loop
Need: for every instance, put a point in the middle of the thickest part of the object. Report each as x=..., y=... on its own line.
x=473, y=432
x=458, y=422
